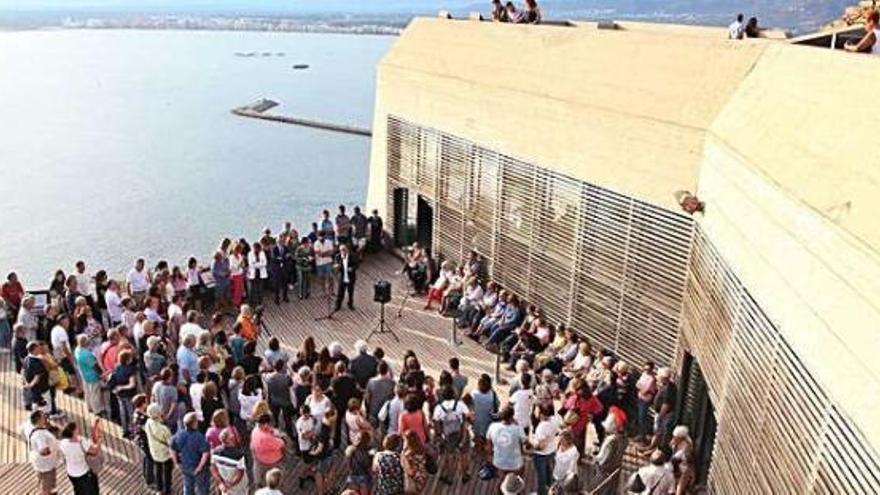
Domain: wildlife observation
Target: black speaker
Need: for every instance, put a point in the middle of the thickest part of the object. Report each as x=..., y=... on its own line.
x=382, y=291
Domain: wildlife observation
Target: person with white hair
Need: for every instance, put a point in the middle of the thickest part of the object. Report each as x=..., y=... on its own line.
x=363, y=365
x=683, y=459
x=228, y=467
x=191, y=453
x=158, y=443
x=187, y=359
x=664, y=408
x=191, y=327
x=606, y=465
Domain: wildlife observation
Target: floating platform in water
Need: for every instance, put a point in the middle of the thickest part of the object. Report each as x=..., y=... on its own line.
x=257, y=110
x=301, y=66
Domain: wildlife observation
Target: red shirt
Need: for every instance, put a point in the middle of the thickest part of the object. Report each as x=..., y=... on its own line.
x=12, y=292
x=109, y=355
x=414, y=421
x=267, y=447
x=585, y=409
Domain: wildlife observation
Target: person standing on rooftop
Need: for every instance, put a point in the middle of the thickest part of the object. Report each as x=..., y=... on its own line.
x=870, y=43
x=736, y=30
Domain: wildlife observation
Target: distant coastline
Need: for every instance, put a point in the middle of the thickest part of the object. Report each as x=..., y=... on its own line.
x=387, y=27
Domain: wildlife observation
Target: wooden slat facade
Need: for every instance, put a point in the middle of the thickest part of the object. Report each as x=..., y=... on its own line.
x=779, y=431
x=648, y=284
x=608, y=265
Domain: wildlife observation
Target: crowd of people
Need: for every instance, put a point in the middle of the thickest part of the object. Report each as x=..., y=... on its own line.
x=529, y=13
x=235, y=409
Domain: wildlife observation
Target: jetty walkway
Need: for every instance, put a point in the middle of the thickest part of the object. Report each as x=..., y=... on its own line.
x=258, y=110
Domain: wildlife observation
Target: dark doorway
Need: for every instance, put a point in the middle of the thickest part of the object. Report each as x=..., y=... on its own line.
x=400, y=229
x=697, y=412
x=425, y=222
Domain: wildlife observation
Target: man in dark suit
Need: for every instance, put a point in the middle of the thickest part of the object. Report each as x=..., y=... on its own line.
x=346, y=264
x=277, y=271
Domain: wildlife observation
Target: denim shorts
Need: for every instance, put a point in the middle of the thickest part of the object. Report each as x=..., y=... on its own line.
x=360, y=480
x=324, y=270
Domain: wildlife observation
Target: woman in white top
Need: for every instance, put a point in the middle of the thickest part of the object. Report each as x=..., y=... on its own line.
x=248, y=397
x=318, y=403
x=566, y=458
x=435, y=293
x=870, y=43
x=75, y=451
x=544, y=442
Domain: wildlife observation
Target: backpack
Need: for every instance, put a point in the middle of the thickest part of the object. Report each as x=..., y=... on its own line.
x=452, y=420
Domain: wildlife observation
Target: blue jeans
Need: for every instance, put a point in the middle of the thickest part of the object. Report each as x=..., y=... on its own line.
x=497, y=334
x=643, y=421
x=543, y=471
x=199, y=484
x=5, y=334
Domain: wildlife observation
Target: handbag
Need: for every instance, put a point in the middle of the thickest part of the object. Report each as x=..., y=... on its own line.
x=94, y=461
x=487, y=472
x=571, y=417
x=636, y=485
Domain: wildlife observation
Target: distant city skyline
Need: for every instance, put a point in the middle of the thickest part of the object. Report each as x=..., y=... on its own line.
x=796, y=15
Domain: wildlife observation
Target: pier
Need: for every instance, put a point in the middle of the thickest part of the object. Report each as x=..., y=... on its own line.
x=258, y=109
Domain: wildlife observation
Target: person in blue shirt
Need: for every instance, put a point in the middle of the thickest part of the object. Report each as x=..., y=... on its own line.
x=188, y=360
x=327, y=226
x=191, y=454
x=87, y=364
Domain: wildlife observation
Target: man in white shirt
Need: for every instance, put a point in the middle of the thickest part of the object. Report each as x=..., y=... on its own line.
x=61, y=350
x=138, y=280
x=324, y=261
x=83, y=280
x=736, y=28
x=191, y=327
x=43, y=450
x=114, y=303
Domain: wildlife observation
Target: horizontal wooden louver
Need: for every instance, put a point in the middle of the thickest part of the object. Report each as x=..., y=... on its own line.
x=779, y=431
x=611, y=267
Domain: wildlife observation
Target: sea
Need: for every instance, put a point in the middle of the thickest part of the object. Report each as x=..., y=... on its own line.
x=119, y=144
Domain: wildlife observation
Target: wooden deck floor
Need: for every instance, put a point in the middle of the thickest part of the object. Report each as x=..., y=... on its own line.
x=425, y=332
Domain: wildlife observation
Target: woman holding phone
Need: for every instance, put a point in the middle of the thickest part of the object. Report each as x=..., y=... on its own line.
x=80, y=455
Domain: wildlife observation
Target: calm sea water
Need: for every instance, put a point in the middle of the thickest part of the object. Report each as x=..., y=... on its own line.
x=120, y=144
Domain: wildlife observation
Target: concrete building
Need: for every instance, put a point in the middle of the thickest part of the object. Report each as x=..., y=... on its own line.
x=557, y=152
